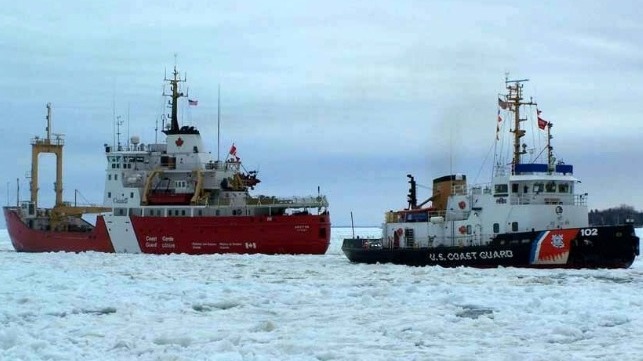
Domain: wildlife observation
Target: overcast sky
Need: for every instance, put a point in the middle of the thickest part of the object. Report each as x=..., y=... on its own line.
x=347, y=95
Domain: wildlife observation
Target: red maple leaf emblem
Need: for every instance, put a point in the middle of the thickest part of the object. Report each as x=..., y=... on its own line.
x=179, y=142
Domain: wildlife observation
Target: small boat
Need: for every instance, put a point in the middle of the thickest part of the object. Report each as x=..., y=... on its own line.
x=530, y=215
x=169, y=197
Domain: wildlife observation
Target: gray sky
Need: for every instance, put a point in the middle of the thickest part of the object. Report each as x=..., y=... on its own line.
x=346, y=95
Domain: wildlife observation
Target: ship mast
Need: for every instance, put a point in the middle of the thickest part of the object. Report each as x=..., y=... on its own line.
x=174, y=95
x=550, y=155
x=47, y=145
x=514, y=101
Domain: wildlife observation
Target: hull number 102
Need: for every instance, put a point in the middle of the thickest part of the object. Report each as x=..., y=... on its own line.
x=588, y=232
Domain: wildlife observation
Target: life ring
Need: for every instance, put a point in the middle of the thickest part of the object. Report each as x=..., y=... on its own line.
x=462, y=229
x=462, y=204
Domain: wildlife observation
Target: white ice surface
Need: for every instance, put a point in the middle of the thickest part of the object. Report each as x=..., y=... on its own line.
x=95, y=306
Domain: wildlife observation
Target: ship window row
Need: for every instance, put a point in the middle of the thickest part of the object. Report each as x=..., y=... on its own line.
x=539, y=187
x=118, y=166
x=514, y=227
x=109, y=177
x=170, y=212
x=131, y=195
x=160, y=212
x=551, y=187
x=132, y=159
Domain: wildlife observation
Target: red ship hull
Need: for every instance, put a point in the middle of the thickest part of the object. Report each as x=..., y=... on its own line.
x=288, y=234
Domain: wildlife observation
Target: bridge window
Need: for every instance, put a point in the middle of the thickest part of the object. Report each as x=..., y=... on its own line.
x=496, y=228
x=131, y=195
x=514, y=187
x=563, y=188
x=109, y=194
x=109, y=177
x=550, y=187
x=538, y=187
x=501, y=188
x=514, y=226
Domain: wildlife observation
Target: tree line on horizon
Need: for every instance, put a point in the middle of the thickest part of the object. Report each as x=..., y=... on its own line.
x=616, y=215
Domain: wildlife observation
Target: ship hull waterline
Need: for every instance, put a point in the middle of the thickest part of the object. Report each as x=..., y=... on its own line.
x=288, y=234
x=608, y=247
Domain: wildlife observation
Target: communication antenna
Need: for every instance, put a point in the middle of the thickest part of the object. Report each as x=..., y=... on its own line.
x=218, y=122
x=127, y=125
x=119, y=122
x=114, y=118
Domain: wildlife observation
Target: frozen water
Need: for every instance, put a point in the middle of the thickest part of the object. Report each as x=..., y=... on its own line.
x=95, y=306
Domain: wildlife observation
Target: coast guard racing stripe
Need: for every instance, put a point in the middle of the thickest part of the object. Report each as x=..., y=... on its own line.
x=121, y=234
x=552, y=247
